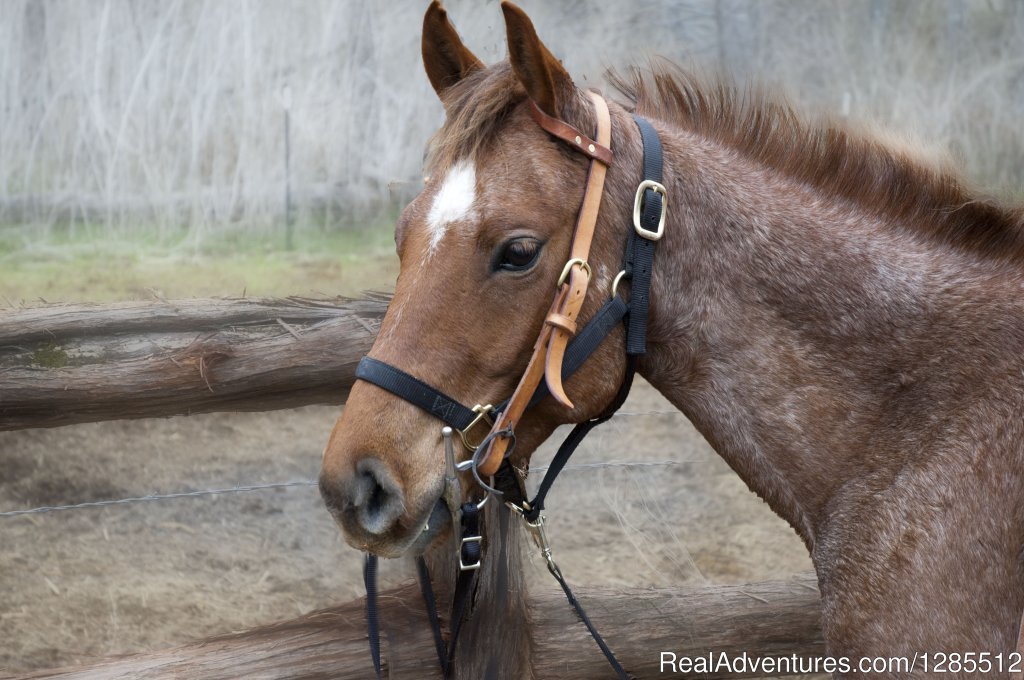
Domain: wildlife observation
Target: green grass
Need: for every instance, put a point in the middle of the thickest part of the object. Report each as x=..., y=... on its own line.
x=88, y=266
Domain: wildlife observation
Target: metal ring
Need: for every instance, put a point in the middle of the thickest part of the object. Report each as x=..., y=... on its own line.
x=482, y=449
x=615, y=283
x=569, y=265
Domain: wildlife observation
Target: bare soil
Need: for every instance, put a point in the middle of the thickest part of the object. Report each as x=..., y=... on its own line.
x=79, y=585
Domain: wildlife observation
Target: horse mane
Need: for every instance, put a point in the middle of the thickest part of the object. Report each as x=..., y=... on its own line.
x=831, y=155
x=827, y=153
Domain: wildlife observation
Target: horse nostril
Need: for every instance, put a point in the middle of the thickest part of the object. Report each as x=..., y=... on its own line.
x=377, y=497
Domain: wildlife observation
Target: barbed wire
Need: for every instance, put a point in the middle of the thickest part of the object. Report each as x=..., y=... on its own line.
x=152, y=498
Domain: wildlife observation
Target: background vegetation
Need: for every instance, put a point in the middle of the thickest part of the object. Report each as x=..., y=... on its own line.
x=143, y=141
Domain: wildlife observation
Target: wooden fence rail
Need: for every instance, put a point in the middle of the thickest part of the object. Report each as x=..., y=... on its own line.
x=79, y=363
x=771, y=619
x=61, y=365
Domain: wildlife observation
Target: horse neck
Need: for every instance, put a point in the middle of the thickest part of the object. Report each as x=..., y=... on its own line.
x=800, y=334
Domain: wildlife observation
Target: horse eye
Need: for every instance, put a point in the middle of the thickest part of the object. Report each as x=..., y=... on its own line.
x=519, y=255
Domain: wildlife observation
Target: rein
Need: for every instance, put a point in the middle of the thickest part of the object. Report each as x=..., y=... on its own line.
x=558, y=353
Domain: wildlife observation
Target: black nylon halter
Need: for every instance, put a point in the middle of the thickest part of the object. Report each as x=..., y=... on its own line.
x=637, y=269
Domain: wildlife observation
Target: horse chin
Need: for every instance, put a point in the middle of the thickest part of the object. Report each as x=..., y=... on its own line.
x=439, y=520
x=436, y=523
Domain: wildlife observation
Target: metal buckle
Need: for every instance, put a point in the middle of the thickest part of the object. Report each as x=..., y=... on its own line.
x=483, y=414
x=659, y=188
x=462, y=565
x=540, y=537
x=569, y=265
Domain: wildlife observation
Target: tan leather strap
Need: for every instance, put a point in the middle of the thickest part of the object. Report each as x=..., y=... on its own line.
x=560, y=322
x=579, y=276
x=571, y=136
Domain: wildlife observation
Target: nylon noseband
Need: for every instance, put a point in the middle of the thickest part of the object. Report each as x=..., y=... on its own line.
x=554, y=357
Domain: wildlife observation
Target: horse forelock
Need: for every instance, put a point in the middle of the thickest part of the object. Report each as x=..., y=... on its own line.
x=870, y=169
x=475, y=107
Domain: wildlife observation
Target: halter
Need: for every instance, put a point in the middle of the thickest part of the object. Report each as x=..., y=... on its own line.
x=558, y=353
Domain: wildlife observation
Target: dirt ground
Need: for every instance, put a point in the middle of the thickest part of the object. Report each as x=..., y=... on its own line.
x=79, y=585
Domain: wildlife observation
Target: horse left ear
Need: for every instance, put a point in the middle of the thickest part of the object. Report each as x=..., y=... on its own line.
x=546, y=82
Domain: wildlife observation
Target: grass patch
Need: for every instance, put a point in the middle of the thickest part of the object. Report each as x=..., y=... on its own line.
x=86, y=267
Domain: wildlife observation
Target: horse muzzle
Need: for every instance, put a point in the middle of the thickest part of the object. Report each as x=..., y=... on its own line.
x=371, y=509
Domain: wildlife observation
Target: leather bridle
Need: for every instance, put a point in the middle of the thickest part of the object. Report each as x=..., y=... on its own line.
x=558, y=352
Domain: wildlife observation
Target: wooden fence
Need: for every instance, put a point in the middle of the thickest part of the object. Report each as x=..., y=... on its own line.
x=79, y=363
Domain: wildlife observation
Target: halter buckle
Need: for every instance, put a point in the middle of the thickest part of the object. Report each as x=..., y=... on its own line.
x=483, y=414
x=658, y=188
x=462, y=565
x=568, y=267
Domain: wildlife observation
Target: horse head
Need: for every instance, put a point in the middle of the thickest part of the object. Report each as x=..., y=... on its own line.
x=481, y=250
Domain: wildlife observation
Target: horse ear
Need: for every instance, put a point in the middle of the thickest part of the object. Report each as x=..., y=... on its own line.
x=446, y=59
x=546, y=82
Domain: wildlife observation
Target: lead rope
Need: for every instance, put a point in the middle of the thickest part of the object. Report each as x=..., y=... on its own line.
x=372, y=620
x=460, y=601
x=427, y=590
x=508, y=483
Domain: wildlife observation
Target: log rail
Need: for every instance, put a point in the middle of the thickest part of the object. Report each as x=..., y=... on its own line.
x=769, y=619
x=69, y=364
x=61, y=365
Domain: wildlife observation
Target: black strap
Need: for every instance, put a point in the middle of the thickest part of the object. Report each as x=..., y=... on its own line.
x=569, y=446
x=459, y=416
x=639, y=258
x=583, y=345
x=416, y=392
x=372, y=620
x=605, y=649
x=427, y=591
x=469, y=554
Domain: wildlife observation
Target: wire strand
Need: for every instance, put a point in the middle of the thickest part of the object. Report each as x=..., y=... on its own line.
x=153, y=497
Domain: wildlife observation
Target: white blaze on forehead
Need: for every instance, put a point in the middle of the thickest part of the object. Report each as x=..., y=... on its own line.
x=453, y=202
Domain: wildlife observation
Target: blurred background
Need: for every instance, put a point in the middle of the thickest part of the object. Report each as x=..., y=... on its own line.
x=188, y=130
x=170, y=149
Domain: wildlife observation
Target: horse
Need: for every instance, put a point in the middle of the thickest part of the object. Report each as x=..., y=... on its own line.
x=840, y=316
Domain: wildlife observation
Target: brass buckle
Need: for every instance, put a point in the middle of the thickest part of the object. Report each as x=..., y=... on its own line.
x=569, y=265
x=659, y=188
x=483, y=414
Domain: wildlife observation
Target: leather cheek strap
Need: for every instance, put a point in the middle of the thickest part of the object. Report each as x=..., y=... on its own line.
x=560, y=322
x=579, y=276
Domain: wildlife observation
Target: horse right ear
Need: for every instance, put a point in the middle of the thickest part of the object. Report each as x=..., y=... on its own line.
x=546, y=82
x=446, y=59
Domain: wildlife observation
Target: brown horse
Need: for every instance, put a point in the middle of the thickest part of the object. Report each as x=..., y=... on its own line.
x=842, y=320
